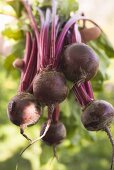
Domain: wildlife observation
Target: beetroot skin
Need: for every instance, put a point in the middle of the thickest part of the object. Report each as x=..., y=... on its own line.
x=98, y=115
x=23, y=109
x=49, y=87
x=55, y=134
x=79, y=62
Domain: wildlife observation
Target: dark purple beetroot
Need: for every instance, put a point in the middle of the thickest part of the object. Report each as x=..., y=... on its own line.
x=98, y=115
x=49, y=87
x=23, y=109
x=79, y=62
x=55, y=134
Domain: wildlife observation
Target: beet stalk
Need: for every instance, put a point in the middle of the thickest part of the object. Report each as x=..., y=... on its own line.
x=56, y=132
x=30, y=70
x=35, y=29
x=26, y=57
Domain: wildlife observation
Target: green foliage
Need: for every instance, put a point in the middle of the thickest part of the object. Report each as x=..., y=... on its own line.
x=105, y=51
x=103, y=43
x=17, y=6
x=6, y=9
x=13, y=8
x=68, y=6
x=15, y=34
x=17, y=52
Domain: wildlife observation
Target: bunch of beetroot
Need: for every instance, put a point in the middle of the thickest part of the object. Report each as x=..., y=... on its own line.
x=55, y=53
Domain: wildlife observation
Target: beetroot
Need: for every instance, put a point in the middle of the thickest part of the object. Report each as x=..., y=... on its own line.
x=23, y=110
x=97, y=115
x=79, y=62
x=89, y=34
x=49, y=87
x=55, y=134
x=18, y=63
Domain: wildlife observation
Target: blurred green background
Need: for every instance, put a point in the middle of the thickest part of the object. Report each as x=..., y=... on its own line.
x=81, y=150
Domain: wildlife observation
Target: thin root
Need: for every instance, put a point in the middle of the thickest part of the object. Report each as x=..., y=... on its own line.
x=55, y=152
x=34, y=141
x=25, y=136
x=39, y=138
x=107, y=130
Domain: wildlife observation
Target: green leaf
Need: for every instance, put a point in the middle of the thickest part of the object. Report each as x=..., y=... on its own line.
x=12, y=33
x=6, y=9
x=17, y=52
x=45, y=3
x=104, y=60
x=68, y=6
x=47, y=152
x=8, y=61
x=17, y=6
x=8, y=66
x=103, y=43
x=97, y=82
x=18, y=48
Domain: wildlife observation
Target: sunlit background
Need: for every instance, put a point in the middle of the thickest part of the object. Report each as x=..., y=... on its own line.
x=88, y=151
x=102, y=12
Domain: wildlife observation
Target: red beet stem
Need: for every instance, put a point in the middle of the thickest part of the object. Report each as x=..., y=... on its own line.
x=57, y=29
x=47, y=38
x=85, y=97
x=33, y=71
x=41, y=15
x=28, y=47
x=77, y=33
x=56, y=113
x=44, y=41
x=50, y=111
x=53, y=32
x=34, y=27
x=61, y=38
x=73, y=37
x=41, y=40
x=78, y=96
x=68, y=39
x=87, y=19
x=88, y=88
x=32, y=19
x=28, y=76
x=86, y=85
